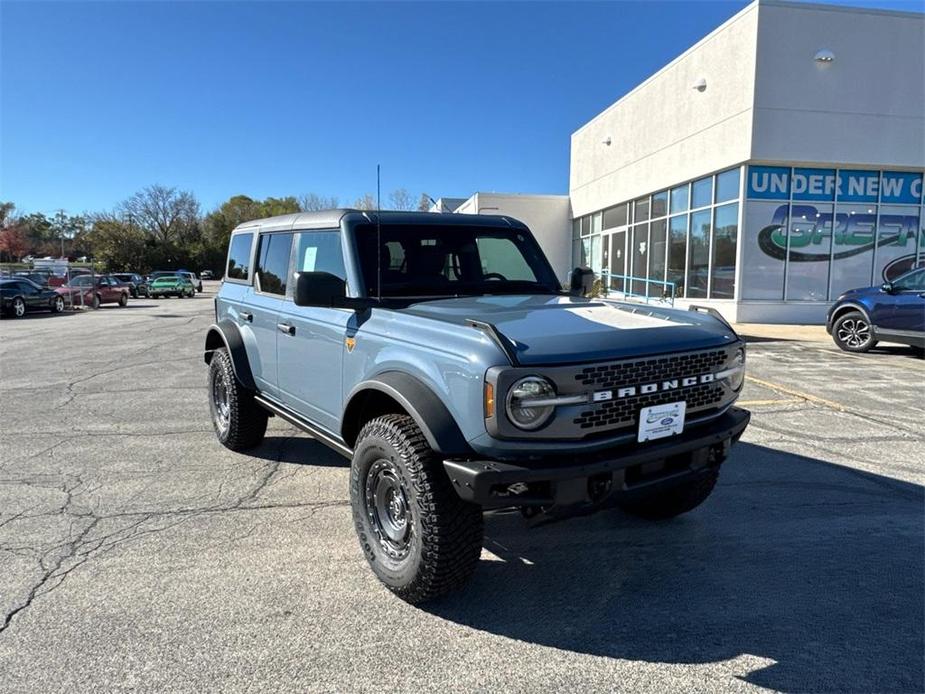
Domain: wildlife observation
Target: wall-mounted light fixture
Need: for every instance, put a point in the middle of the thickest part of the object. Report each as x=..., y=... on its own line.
x=606, y=141
x=824, y=55
x=700, y=85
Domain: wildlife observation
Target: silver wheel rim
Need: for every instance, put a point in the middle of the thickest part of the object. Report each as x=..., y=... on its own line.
x=220, y=403
x=388, y=509
x=59, y=304
x=854, y=332
x=19, y=308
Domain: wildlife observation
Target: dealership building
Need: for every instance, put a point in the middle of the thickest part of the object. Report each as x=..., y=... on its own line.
x=773, y=165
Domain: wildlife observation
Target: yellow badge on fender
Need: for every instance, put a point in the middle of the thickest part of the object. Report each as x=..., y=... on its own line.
x=351, y=343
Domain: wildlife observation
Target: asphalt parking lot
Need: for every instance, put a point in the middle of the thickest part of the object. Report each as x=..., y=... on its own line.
x=138, y=554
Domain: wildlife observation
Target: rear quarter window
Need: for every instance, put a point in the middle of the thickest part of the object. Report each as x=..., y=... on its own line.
x=239, y=257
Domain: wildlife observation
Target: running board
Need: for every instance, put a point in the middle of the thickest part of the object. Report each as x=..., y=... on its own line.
x=308, y=427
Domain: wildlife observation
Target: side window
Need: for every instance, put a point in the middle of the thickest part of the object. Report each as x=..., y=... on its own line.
x=320, y=251
x=273, y=266
x=239, y=257
x=914, y=281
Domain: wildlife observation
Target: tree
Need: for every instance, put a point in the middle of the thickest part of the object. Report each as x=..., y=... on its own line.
x=165, y=214
x=7, y=210
x=401, y=199
x=367, y=202
x=120, y=245
x=13, y=243
x=312, y=202
x=424, y=203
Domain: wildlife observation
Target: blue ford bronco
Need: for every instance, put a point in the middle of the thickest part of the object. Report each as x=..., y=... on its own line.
x=439, y=353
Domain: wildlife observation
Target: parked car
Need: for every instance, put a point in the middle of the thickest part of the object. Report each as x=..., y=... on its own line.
x=95, y=290
x=457, y=376
x=892, y=312
x=191, y=276
x=205, y=274
x=138, y=285
x=39, y=277
x=19, y=295
x=171, y=285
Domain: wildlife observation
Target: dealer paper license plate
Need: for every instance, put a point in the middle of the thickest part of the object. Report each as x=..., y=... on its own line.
x=659, y=421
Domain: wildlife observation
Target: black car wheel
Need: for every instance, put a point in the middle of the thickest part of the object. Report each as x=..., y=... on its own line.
x=239, y=422
x=420, y=539
x=57, y=304
x=19, y=307
x=95, y=302
x=123, y=300
x=853, y=332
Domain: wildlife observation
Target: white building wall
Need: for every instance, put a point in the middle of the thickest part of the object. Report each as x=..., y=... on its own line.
x=665, y=131
x=866, y=108
x=548, y=217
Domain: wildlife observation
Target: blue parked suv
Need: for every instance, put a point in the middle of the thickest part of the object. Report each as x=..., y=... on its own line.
x=440, y=354
x=892, y=312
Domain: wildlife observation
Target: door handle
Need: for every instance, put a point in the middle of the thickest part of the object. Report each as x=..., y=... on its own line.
x=286, y=328
x=249, y=317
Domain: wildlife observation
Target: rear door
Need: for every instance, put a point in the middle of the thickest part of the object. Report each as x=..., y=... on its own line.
x=265, y=301
x=311, y=351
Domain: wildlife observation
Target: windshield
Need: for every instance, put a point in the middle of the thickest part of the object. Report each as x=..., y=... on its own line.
x=431, y=261
x=166, y=279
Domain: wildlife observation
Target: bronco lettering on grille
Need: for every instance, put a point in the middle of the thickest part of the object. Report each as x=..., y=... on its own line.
x=646, y=388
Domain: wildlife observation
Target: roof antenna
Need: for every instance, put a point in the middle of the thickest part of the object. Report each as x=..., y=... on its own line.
x=378, y=236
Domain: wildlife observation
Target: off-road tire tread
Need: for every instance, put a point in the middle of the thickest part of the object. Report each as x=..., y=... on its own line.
x=247, y=420
x=674, y=501
x=452, y=529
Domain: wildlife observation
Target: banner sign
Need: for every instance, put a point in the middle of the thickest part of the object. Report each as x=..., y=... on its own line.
x=780, y=182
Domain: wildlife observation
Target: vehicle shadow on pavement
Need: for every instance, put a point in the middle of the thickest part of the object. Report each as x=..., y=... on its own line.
x=299, y=450
x=807, y=575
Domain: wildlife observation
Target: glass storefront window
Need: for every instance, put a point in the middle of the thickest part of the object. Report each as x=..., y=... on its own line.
x=727, y=186
x=641, y=210
x=725, y=238
x=677, y=252
x=586, y=225
x=617, y=260
x=596, y=223
x=698, y=257
x=658, y=233
x=702, y=192
x=680, y=198
x=638, y=255
x=854, y=227
x=660, y=204
x=896, y=241
x=576, y=228
x=808, y=256
x=615, y=216
x=764, y=243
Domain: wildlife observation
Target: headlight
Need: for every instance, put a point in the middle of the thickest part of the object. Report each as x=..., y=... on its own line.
x=737, y=377
x=526, y=402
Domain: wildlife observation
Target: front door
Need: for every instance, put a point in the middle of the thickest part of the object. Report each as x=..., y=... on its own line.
x=311, y=351
x=906, y=311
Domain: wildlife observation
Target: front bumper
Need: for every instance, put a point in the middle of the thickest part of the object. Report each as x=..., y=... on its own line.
x=568, y=480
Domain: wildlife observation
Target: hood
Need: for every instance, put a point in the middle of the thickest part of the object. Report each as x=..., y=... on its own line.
x=564, y=329
x=862, y=291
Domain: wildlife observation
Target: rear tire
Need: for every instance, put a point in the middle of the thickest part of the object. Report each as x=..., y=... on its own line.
x=671, y=502
x=420, y=539
x=19, y=308
x=57, y=304
x=239, y=422
x=95, y=302
x=123, y=300
x=853, y=333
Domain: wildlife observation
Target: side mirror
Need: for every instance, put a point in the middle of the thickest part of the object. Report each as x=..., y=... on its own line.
x=581, y=281
x=887, y=287
x=319, y=289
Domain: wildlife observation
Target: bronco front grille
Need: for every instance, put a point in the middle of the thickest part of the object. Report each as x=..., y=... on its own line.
x=623, y=412
x=650, y=370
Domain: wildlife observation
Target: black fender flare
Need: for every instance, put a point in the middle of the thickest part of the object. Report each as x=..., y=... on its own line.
x=226, y=334
x=418, y=400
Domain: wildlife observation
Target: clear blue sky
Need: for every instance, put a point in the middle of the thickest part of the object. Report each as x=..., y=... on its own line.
x=101, y=99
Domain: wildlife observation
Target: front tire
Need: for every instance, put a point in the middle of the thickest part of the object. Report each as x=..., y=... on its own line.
x=853, y=333
x=57, y=304
x=239, y=422
x=19, y=307
x=420, y=539
x=123, y=300
x=95, y=302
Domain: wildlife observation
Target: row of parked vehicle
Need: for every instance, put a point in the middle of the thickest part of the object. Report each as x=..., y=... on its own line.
x=36, y=290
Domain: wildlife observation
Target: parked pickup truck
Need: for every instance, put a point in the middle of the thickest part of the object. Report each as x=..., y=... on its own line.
x=439, y=353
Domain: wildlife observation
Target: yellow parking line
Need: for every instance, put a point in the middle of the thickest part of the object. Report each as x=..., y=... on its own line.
x=797, y=394
x=780, y=401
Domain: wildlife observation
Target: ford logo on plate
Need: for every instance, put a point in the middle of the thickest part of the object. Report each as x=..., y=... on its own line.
x=667, y=421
